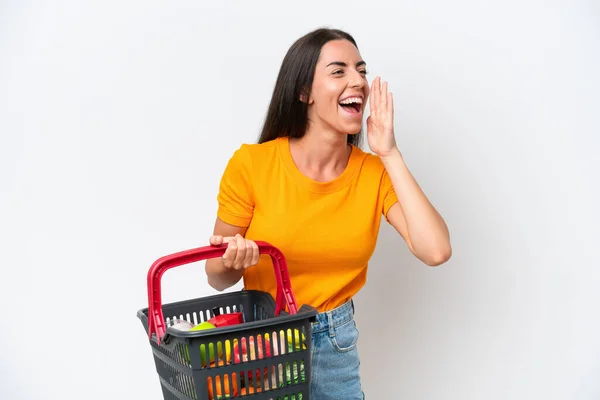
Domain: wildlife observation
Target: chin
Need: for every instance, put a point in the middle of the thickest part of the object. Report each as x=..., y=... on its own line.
x=352, y=130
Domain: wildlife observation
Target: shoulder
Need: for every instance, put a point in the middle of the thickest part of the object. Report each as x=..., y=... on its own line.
x=371, y=163
x=251, y=153
x=249, y=159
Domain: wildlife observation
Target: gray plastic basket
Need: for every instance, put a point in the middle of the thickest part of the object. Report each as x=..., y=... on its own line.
x=277, y=361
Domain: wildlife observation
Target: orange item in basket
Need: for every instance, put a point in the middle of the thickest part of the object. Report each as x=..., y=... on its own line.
x=222, y=388
x=249, y=390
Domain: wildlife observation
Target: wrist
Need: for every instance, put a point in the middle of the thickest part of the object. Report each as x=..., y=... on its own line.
x=394, y=154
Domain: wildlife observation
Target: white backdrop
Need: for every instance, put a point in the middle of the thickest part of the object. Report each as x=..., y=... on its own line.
x=117, y=119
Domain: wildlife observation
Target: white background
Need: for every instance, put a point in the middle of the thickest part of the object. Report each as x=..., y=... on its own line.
x=117, y=119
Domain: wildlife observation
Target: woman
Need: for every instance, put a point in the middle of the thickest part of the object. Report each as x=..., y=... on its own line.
x=308, y=189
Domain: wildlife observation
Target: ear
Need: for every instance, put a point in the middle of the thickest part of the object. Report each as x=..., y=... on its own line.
x=305, y=97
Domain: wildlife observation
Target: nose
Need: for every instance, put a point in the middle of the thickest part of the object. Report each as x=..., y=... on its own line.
x=356, y=80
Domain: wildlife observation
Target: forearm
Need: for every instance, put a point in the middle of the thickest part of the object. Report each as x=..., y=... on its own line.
x=426, y=229
x=220, y=277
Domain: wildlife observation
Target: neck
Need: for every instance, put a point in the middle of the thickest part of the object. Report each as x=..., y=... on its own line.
x=321, y=155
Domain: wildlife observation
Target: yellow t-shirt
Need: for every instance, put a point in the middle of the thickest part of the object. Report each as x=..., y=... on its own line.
x=327, y=231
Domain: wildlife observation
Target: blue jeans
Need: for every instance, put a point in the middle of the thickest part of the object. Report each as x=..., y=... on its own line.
x=335, y=362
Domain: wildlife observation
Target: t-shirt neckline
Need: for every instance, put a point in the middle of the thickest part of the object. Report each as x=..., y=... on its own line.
x=342, y=180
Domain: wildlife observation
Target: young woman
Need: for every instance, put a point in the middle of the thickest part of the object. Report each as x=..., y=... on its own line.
x=308, y=189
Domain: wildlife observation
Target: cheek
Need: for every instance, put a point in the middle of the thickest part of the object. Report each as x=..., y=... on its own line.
x=328, y=93
x=326, y=99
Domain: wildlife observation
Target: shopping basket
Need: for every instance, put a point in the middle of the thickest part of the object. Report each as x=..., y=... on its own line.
x=266, y=356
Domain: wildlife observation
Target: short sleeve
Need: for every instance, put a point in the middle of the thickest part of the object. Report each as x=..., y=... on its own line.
x=388, y=194
x=235, y=198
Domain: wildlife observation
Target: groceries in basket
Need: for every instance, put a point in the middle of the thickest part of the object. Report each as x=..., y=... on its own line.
x=250, y=348
x=259, y=347
x=217, y=321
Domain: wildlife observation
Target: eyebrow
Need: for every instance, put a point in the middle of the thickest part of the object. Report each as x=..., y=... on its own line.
x=343, y=64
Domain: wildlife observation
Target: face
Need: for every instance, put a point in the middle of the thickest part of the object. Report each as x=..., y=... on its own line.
x=340, y=88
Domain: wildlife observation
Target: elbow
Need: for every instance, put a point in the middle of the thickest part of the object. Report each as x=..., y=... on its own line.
x=215, y=285
x=438, y=257
x=212, y=277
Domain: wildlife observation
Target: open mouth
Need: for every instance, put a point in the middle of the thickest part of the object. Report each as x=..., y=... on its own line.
x=352, y=105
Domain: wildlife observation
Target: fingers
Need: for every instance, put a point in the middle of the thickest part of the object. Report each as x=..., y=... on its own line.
x=374, y=102
x=381, y=101
x=216, y=240
x=230, y=253
x=379, y=96
x=240, y=244
x=252, y=254
x=241, y=253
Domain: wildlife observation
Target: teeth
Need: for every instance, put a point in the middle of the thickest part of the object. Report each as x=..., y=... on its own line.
x=352, y=100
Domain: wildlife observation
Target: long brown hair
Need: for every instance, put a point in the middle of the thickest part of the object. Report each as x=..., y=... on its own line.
x=287, y=115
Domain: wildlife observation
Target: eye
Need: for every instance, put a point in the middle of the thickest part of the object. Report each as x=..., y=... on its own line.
x=364, y=72
x=338, y=72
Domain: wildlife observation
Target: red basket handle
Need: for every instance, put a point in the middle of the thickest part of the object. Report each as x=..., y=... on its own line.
x=156, y=322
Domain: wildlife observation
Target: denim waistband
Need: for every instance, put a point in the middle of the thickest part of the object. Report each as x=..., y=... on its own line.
x=327, y=320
